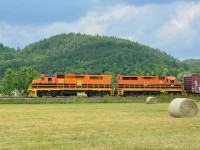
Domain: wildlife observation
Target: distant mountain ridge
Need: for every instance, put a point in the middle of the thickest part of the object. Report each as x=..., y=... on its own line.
x=192, y=61
x=85, y=54
x=194, y=65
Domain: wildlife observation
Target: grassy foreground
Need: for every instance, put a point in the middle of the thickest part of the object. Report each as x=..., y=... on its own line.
x=96, y=126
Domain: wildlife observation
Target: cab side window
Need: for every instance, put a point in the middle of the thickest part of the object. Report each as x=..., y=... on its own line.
x=49, y=80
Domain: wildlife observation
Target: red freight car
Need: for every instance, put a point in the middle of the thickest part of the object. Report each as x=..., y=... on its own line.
x=192, y=83
x=135, y=85
x=71, y=85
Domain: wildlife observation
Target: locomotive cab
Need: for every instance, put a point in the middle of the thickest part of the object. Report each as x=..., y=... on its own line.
x=172, y=81
x=48, y=78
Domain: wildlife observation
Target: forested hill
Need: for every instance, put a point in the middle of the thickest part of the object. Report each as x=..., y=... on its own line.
x=77, y=53
x=194, y=65
x=7, y=55
x=192, y=61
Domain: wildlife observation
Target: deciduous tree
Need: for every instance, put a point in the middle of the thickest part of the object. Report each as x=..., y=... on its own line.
x=8, y=82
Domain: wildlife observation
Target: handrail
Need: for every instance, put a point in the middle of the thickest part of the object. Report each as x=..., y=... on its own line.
x=94, y=86
x=133, y=86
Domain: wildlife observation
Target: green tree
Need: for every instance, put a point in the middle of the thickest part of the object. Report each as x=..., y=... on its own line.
x=23, y=79
x=8, y=82
x=165, y=72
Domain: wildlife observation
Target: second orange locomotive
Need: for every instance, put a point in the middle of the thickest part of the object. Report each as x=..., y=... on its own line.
x=151, y=85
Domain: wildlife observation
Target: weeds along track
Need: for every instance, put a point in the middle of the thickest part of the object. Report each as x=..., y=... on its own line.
x=71, y=99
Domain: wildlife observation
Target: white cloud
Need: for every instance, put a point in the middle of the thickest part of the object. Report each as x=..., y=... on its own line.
x=179, y=29
x=173, y=27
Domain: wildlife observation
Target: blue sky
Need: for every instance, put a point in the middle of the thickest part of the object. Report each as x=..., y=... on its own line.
x=172, y=26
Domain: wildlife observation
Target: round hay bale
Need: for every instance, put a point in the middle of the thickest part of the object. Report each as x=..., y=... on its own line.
x=151, y=100
x=183, y=107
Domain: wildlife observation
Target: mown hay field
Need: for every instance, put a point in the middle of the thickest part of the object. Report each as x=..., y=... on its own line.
x=96, y=126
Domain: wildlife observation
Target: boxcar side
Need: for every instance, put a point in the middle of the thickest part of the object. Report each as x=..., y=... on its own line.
x=192, y=83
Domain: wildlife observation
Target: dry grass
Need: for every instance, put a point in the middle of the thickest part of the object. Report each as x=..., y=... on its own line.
x=96, y=126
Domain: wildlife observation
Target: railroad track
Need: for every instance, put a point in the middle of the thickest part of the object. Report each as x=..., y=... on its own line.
x=45, y=97
x=48, y=97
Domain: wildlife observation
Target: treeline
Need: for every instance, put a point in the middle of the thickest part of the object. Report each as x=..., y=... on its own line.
x=85, y=54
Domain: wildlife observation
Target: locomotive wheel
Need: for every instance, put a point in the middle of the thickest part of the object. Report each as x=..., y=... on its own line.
x=95, y=93
x=89, y=94
x=100, y=94
x=54, y=94
x=39, y=94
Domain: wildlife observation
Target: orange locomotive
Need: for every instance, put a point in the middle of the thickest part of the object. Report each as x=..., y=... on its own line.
x=71, y=85
x=137, y=85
